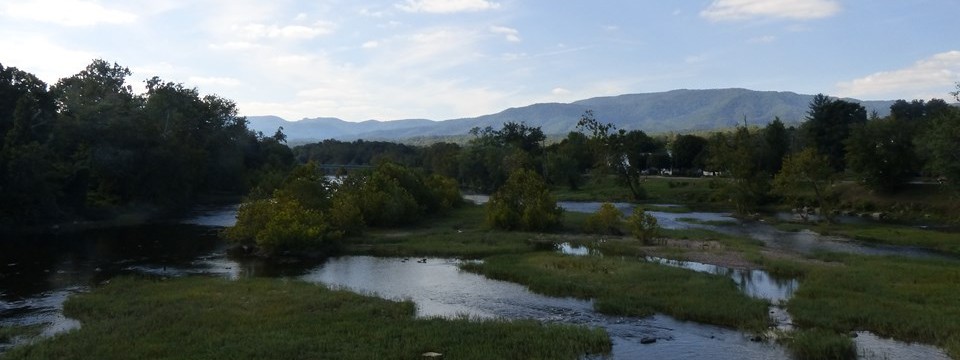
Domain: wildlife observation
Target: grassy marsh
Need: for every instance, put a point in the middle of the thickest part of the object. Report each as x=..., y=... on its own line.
x=907, y=299
x=631, y=287
x=206, y=318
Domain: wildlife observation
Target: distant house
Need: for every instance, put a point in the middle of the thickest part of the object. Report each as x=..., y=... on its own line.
x=710, y=173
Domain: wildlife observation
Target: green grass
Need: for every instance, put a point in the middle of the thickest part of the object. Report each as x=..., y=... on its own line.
x=907, y=299
x=658, y=189
x=708, y=222
x=819, y=344
x=206, y=318
x=460, y=233
x=9, y=333
x=899, y=235
x=630, y=287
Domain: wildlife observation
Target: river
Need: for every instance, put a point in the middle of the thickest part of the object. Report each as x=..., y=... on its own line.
x=39, y=273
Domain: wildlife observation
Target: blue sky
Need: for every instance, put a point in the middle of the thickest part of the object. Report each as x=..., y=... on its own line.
x=442, y=59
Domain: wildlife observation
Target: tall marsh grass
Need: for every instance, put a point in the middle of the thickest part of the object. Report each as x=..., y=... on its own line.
x=205, y=318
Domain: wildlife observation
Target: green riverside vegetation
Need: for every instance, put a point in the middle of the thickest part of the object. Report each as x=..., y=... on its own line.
x=630, y=287
x=907, y=299
x=207, y=318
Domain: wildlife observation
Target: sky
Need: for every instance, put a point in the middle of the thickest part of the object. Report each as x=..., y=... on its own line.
x=443, y=59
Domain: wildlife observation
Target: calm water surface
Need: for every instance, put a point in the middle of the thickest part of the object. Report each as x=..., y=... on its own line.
x=37, y=275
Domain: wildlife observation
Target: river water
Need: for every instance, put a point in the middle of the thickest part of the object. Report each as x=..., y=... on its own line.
x=37, y=275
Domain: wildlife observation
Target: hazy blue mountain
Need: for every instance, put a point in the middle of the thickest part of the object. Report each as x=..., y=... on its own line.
x=671, y=111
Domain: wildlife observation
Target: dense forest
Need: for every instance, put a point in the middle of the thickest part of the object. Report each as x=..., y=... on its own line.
x=90, y=147
x=755, y=167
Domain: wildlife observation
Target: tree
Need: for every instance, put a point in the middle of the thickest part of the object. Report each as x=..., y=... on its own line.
x=643, y=226
x=689, y=152
x=940, y=146
x=829, y=123
x=606, y=221
x=806, y=171
x=776, y=145
x=523, y=203
x=624, y=154
x=738, y=157
x=882, y=155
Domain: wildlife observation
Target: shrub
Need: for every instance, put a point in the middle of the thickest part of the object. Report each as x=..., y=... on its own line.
x=523, y=203
x=283, y=224
x=643, y=226
x=605, y=221
x=821, y=344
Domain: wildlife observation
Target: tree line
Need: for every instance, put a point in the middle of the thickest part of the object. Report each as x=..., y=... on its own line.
x=756, y=165
x=90, y=147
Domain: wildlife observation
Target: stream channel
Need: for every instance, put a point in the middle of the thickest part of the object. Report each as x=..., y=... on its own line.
x=37, y=274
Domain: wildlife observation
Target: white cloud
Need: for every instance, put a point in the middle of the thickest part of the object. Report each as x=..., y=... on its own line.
x=510, y=34
x=447, y=6
x=298, y=32
x=66, y=12
x=44, y=58
x=734, y=10
x=213, y=81
x=928, y=78
x=370, y=44
x=235, y=45
x=559, y=91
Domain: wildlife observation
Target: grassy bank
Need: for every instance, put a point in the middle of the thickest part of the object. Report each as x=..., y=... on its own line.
x=204, y=318
x=460, y=233
x=631, y=287
x=946, y=242
x=910, y=300
x=662, y=190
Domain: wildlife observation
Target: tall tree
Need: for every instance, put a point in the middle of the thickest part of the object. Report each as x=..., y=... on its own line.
x=807, y=171
x=737, y=156
x=829, y=123
x=689, y=152
x=776, y=145
x=882, y=155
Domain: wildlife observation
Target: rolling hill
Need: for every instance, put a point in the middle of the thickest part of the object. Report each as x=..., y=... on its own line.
x=671, y=111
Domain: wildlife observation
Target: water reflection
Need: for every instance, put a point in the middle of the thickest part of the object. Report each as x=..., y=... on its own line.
x=804, y=241
x=753, y=282
x=439, y=288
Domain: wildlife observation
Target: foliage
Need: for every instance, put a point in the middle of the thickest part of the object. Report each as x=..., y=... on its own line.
x=906, y=299
x=775, y=144
x=631, y=288
x=309, y=213
x=881, y=154
x=523, y=203
x=807, y=170
x=643, y=226
x=820, y=344
x=940, y=145
x=91, y=147
x=628, y=155
x=606, y=221
x=689, y=152
x=829, y=124
x=739, y=157
x=207, y=318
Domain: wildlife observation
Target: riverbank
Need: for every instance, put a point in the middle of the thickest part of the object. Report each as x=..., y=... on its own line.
x=207, y=318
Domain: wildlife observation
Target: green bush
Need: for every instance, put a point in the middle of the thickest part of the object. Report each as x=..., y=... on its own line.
x=524, y=203
x=282, y=224
x=821, y=344
x=606, y=221
x=643, y=226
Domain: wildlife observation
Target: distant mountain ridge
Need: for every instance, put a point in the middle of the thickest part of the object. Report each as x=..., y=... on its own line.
x=671, y=111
